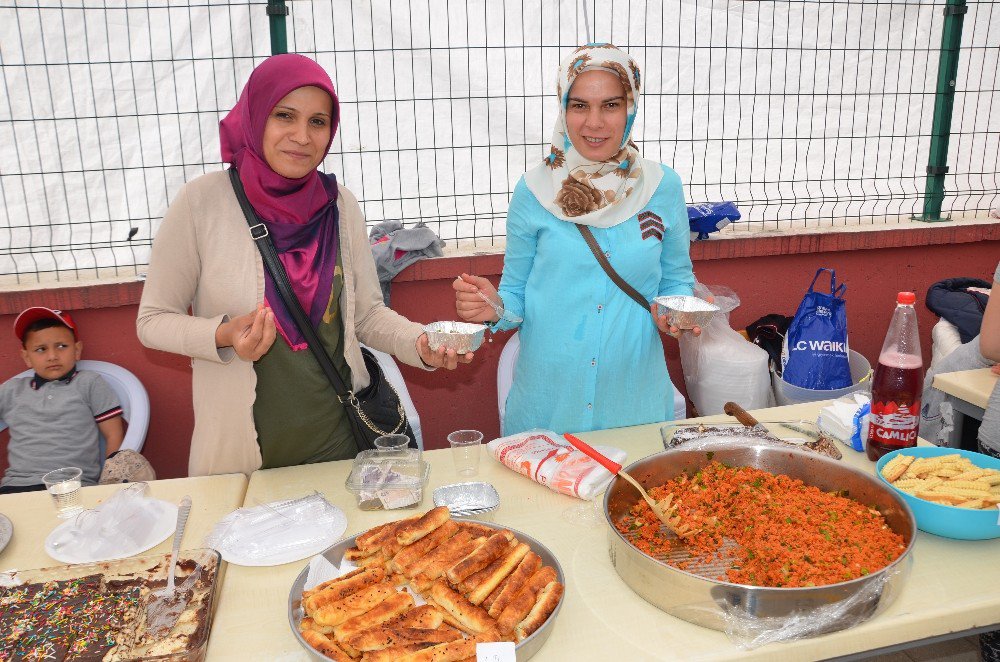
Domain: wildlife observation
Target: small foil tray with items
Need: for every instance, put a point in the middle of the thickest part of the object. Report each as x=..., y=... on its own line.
x=686, y=312
x=428, y=588
x=98, y=611
x=789, y=544
x=463, y=337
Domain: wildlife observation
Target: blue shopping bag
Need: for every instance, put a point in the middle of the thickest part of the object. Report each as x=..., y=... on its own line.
x=814, y=354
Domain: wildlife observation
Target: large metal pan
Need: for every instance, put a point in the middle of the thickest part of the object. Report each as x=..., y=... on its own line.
x=705, y=601
x=335, y=555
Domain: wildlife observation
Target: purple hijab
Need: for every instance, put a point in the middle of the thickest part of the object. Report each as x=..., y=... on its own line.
x=300, y=214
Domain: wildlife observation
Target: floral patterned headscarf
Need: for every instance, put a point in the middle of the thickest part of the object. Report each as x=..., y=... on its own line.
x=596, y=193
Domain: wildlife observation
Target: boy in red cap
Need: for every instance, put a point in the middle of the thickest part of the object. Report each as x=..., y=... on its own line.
x=56, y=414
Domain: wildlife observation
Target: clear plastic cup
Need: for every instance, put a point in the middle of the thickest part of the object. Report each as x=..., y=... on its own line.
x=396, y=446
x=392, y=443
x=465, y=451
x=64, y=486
x=588, y=514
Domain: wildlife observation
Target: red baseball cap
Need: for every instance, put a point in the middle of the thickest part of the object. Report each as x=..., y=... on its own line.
x=31, y=315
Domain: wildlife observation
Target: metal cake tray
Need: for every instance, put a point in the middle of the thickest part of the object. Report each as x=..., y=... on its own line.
x=335, y=554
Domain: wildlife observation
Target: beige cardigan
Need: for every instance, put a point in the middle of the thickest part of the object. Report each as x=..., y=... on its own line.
x=203, y=259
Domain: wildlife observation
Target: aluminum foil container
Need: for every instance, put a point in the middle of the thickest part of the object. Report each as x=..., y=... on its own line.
x=477, y=499
x=686, y=312
x=460, y=336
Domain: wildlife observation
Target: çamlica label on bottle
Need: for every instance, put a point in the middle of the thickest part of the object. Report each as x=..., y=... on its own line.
x=893, y=424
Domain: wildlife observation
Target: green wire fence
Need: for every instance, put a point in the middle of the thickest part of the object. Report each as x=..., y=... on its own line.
x=806, y=113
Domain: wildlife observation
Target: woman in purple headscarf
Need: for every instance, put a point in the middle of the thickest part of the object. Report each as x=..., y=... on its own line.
x=260, y=398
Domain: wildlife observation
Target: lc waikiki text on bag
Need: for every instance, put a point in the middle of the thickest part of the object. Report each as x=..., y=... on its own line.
x=814, y=355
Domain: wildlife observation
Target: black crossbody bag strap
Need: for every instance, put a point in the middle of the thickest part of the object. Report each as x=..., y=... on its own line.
x=588, y=236
x=258, y=231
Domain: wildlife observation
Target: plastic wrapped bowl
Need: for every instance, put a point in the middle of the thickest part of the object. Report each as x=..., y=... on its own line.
x=948, y=521
x=686, y=312
x=460, y=336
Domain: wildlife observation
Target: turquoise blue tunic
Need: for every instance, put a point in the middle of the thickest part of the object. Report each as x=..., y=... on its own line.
x=590, y=357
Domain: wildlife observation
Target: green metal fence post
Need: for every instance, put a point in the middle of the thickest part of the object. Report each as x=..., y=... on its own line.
x=276, y=12
x=944, y=102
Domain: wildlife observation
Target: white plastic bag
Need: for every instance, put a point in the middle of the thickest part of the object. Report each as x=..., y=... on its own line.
x=546, y=458
x=720, y=366
x=278, y=532
x=122, y=523
x=750, y=630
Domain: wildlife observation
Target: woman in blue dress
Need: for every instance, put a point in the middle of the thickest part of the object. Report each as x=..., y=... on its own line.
x=590, y=358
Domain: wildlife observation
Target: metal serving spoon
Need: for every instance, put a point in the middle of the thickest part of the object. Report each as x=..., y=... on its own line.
x=165, y=606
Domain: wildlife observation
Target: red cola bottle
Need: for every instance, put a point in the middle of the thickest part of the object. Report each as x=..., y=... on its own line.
x=898, y=382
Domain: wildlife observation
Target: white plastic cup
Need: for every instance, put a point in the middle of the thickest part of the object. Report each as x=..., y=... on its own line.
x=64, y=486
x=465, y=451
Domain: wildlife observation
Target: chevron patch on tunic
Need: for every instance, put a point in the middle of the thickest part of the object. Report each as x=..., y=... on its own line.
x=651, y=225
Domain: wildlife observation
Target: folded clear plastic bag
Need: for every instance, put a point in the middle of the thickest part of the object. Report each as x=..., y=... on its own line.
x=278, y=529
x=122, y=522
x=863, y=599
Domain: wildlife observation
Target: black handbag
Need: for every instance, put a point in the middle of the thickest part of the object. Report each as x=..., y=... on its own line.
x=768, y=333
x=374, y=411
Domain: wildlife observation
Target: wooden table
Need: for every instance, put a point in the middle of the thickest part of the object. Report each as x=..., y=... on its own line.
x=969, y=389
x=34, y=515
x=951, y=590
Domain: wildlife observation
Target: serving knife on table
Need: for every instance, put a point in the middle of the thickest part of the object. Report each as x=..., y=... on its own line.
x=817, y=442
x=747, y=419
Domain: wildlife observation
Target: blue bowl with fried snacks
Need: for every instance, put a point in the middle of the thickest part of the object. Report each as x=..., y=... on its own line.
x=942, y=520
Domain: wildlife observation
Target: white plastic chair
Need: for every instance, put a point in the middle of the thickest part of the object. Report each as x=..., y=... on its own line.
x=131, y=394
x=395, y=377
x=505, y=377
x=505, y=372
x=945, y=339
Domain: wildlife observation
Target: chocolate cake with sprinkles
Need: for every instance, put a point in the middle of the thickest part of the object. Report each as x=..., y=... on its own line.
x=75, y=619
x=100, y=613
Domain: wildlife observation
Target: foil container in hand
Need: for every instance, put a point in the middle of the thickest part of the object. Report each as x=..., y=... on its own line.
x=686, y=312
x=460, y=336
x=476, y=499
